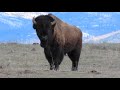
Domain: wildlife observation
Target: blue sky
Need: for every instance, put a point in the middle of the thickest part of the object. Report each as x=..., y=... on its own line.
x=17, y=26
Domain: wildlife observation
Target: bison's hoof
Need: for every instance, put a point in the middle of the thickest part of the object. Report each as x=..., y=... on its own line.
x=51, y=68
x=74, y=69
x=56, y=69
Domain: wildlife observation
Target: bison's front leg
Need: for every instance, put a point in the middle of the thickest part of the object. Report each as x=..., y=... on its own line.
x=56, y=65
x=58, y=55
x=48, y=56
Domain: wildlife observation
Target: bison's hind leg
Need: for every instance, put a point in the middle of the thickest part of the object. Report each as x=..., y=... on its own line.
x=74, y=56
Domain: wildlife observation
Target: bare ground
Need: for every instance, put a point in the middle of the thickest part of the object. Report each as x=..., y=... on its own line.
x=28, y=61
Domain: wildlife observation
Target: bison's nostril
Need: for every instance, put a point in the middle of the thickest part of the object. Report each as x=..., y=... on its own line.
x=44, y=38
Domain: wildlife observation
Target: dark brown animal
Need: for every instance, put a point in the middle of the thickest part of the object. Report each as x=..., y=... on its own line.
x=58, y=39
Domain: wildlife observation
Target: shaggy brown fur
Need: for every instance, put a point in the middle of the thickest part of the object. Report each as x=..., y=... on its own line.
x=64, y=39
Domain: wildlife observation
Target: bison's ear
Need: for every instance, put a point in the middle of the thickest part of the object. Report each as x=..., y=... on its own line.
x=52, y=20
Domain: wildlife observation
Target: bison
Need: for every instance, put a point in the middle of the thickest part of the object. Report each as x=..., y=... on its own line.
x=58, y=39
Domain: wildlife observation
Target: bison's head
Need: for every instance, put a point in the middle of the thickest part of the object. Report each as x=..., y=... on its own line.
x=44, y=25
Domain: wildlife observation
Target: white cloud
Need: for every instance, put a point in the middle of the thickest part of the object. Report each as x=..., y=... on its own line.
x=12, y=18
x=93, y=13
x=26, y=15
x=102, y=16
x=95, y=25
x=28, y=35
x=11, y=22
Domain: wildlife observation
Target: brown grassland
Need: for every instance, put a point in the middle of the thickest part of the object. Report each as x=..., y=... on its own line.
x=28, y=61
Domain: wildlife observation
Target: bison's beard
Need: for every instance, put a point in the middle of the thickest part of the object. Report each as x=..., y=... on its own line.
x=43, y=44
x=47, y=42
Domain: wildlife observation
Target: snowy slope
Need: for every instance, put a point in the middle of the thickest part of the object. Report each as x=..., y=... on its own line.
x=113, y=37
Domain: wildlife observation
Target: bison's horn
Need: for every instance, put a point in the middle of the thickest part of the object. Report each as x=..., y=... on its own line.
x=53, y=23
x=33, y=20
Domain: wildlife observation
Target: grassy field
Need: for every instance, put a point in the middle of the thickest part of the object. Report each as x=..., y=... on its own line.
x=28, y=61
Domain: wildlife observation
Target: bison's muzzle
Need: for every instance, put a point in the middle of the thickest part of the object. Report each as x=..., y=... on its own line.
x=44, y=41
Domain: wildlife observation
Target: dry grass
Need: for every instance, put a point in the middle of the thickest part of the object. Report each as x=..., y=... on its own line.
x=28, y=61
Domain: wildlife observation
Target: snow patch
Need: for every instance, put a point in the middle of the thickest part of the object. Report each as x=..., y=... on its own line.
x=105, y=36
